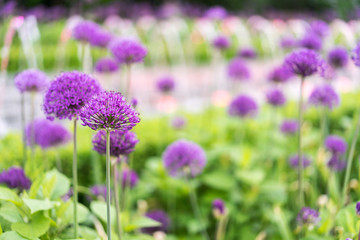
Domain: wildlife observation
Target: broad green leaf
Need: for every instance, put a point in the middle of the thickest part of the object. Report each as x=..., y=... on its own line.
x=88, y=233
x=11, y=215
x=82, y=213
x=35, y=186
x=57, y=184
x=282, y=223
x=252, y=177
x=99, y=209
x=219, y=180
x=12, y=235
x=1, y=231
x=38, y=205
x=347, y=219
x=8, y=195
x=141, y=222
x=36, y=228
x=274, y=192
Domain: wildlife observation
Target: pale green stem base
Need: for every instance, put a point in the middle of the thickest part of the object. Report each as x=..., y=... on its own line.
x=108, y=200
x=75, y=183
x=300, y=162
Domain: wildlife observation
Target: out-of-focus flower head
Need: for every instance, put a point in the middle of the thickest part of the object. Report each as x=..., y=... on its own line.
x=216, y=13
x=336, y=144
x=280, y=74
x=221, y=42
x=238, y=70
x=338, y=57
x=312, y=42
x=159, y=216
x=165, y=84
x=243, y=106
x=325, y=96
x=275, y=97
x=106, y=65
x=247, y=53
x=303, y=62
x=15, y=177
x=31, y=80
x=294, y=161
x=127, y=51
x=85, y=30
x=289, y=126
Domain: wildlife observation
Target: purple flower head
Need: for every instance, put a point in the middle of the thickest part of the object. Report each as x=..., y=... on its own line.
x=85, y=30
x=280, y=74
x=335, y=144
x=159, y=216
x=31, y=80
x=178, y=122
x=68, y=93
x=303, y=62
x=106, y=65
x=47, y=134
x=134, y=102
x=127, y=51
x=325, y=96
x=99, y=191
x=355, y=55
x=335, y=163
x=68, y=195
x=288, y=43
x=218, y=205
x=247, y=53
x=129, y=178
x=183, y=158
x=289, y=127
x=312, y=42
x=221, y=42
x=101, y=38
x=326, y=71
x=237, y=70
x=275, y=97
x=121, y=142
x=216, y=13
x=15, y=177
x=358, y=208
x=338, y=57
x=308, y=216
x=243, y=106
x=109, y=110
x=294, y=161
x=319, y=28
x=165, y=84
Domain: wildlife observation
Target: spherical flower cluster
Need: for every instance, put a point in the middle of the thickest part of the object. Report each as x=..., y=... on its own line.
x=85, y=30
x=216, y=13
x=289, y=127
x=294, y=161
x=47, y=134
x=178, y=122
x=127, y=51
x=338, y=57
x=237, y=70
x=243, y=106
x=275, y=97
x=355, y=55
x=308, y=216
x=335, y=144
x=165, y=84
x=358, y=208
x=280, y=74
x=129, y=178
x=159, y=216
x=288, y=43
x=31, y=80
x=311, y=41
x=101, y=38
x=109, y=110
x=184, y=158
x=68, y=93
x=326, y=71
x=134, y=102
x=303, y=62
x=121, y=142
x=106, y=65
x=15, y=177
x=325, y=96
x=335, y=163
x=218, y=205
x=98, y=191
x=247, y=53
x=319, y=28
x=221, y=42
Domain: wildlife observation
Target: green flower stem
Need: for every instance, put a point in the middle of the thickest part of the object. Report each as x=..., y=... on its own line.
x=221, y=229
x=32, y=130
x=22, y=106
x=128, y=81
x=350, y=160
x=300, y=162
x=75, y=183
x=108, y=184
x=116, y=199
x=323, y=124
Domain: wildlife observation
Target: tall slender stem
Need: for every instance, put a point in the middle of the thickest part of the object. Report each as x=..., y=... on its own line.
x=22, y=106
x=350, y=160
x=75, y=182
x=116, y=198
x=195, y=207
x=323, y=125
x=300, y=162
x=220, y=232
x=108, y=184
x=32, y=130
x=128, y=81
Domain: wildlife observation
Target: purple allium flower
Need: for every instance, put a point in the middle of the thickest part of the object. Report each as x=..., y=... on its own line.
x=358, y=208
x=121, y=142
x=134, y=102
x=178, y=122
x=335, y=163
x=336, y=144
x=15, y=177
x=275, y=97
x=184, y=158
x=216, y=13
x=85, y=31
x=218, y=205
x=165, y=84
x=47, y=134
x=280, y=74
x=109, y=110
x=221, y=42
x=31, y=80
x=308, y=216
x=106, y=65
x=288, y=43
x=129, y=178
x=127, y=51
x=247, y=53
x=100, y=38
x=326, y=71
x=355, y=55
x=338, y=57
x=99, y=190
x=325, y=96
x=311, y=41
x=159, y=216
x=303, y=62
x=289, y=126
x=237, y=70
x=68, y=93
x=68, y=195
x=294, y=161
x=243, y=106
x=319, y=28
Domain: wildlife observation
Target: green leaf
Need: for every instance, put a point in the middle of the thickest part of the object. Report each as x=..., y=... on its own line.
x=347, y=218
x=8, y=195
x=38, y=205
x=82, y=213
x=99, y=209
x=11, y=235
x=35, y=186
x=11, y=214
x=274, y=192
x=36, y=228
x=57, y=185
x=1, y=231
x=219, y=180
x=141, y=222
x=252, y=177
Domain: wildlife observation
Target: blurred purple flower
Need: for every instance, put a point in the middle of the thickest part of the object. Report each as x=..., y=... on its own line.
x=31, y=80
x=243, y=106
x=247, y=53
x=85, y=30
x=127, y=51
x=303, y=62
x=336, y=144
x=288, y=43
x=338, y=57
x=280, y=74
x=289, y=127
x=68, y=195
x=221, y=42
x=294, y=161
x=326, y=71
x=275, y=97
x=355, y=55
x=106, y=65
x=100, y=38
x=319, y=28
x=324, y=96
x=159, y=216
x=15, y=177
x=165, y=84
x=178, y=122
x=308, y=216
x=237, y=70
x=335, y=163
x=216, y=13
x=358, y=208
x=218, y=205
x=129, y=178
x=99, y=190
x=311, y=42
